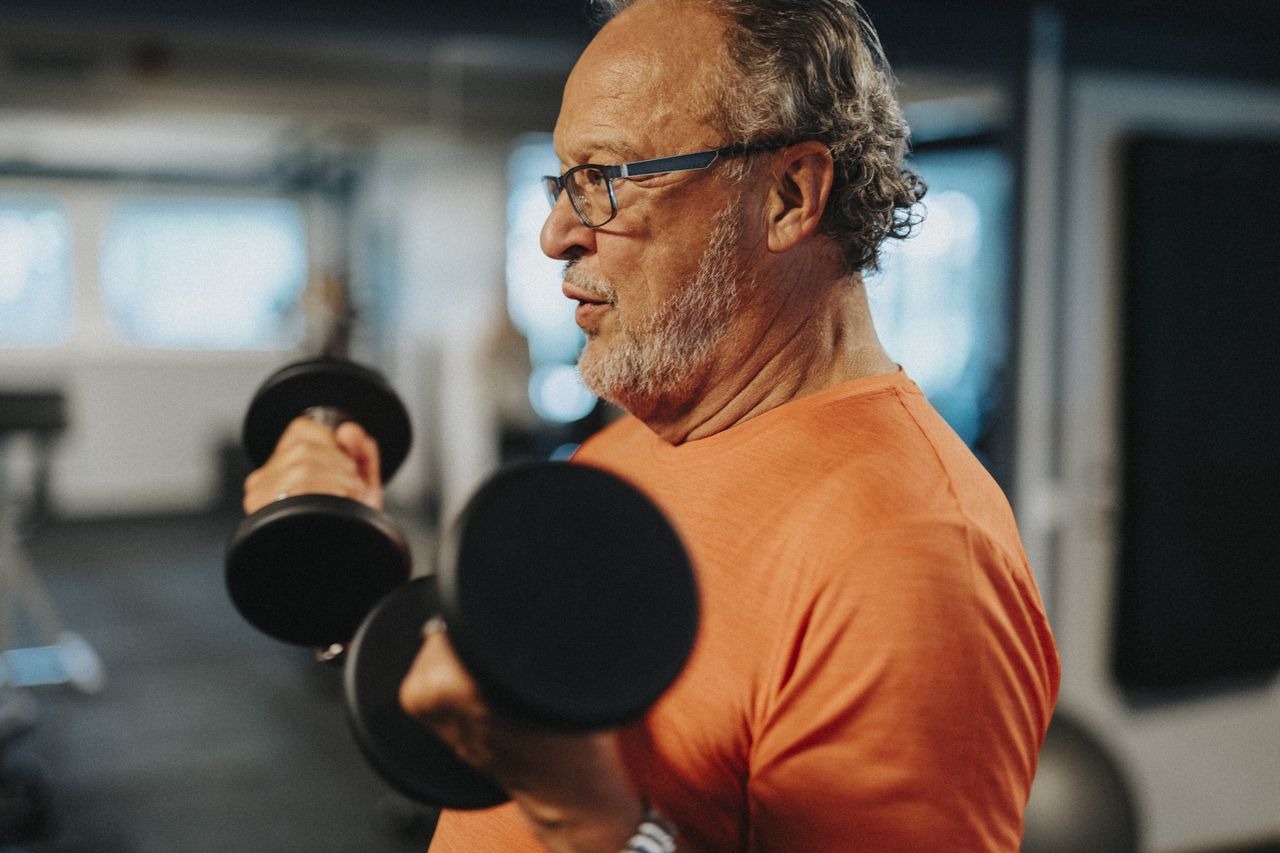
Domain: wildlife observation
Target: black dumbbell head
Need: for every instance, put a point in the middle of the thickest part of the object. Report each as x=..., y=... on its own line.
x=307, y=569
x=363, y=394
x=568, y=596
x=405, y=754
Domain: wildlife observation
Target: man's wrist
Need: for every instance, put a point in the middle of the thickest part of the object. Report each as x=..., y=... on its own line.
x=599, y=828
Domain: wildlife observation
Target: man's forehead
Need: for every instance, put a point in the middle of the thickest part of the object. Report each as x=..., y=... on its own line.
x=605, y=135
x=618, y=125
x=635, y=87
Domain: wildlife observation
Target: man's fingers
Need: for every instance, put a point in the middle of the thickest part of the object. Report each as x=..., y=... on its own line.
x=439, y=692
x=311, y=459
x=363, y=451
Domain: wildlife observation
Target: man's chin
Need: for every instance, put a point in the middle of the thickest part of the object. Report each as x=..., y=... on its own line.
x=591, y=367
x=620, y=384
x=601, y=373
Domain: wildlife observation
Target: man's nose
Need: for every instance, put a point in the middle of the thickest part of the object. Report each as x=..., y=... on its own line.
x=564, y=237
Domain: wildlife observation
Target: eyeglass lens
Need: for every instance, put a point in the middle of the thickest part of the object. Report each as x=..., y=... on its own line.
x=588, y=192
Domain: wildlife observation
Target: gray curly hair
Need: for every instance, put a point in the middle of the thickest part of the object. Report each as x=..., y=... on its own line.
x=814, y=69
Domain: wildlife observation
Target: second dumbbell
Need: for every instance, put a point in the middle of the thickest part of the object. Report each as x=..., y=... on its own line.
x=567, y=595
x=306, y=569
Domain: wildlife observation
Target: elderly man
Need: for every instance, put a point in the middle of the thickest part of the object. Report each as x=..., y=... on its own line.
x=874, y=669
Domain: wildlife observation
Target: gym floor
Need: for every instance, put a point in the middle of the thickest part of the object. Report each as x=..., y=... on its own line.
x=208, y=735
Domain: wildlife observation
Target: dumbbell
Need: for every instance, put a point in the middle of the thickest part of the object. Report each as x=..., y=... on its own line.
x=307, y=569
x=568, y=597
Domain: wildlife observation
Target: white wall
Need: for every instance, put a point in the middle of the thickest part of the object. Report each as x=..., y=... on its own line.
x=444, y=195
x=145, y=424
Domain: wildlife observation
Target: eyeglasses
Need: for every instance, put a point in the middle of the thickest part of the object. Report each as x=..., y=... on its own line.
x=590, y=185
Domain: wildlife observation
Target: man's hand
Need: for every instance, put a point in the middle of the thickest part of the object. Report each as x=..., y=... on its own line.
x=573, y=789
x=313, y=458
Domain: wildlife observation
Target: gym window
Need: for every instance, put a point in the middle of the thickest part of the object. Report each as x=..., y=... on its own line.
x=534, y=300
x=205, y=273
x=940, y=301
x=35, y=271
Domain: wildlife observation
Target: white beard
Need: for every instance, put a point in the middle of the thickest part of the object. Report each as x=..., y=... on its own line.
x=663, y=355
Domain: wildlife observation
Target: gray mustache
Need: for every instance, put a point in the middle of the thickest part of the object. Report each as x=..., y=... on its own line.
x=592, y=285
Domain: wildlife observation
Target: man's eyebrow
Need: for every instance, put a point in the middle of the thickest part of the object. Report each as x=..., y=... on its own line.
x=605, y=152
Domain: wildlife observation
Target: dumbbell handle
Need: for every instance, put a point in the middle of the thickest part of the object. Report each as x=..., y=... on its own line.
x=331, y=416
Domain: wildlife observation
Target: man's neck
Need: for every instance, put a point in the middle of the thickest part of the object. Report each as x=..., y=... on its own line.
x=799, y=349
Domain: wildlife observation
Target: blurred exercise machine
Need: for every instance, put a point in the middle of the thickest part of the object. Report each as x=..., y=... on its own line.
x=1081, y=800
x=35, y=648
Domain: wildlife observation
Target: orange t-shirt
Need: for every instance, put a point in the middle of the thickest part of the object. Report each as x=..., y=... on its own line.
x=874, y=669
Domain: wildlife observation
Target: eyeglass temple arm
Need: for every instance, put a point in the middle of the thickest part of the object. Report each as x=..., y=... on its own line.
x=688, y=162
x=680, y=163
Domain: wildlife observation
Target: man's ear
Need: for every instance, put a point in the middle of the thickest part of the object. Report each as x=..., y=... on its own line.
x=802, y=176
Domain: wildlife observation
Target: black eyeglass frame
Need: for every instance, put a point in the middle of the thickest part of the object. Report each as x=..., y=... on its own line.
x=643, y=168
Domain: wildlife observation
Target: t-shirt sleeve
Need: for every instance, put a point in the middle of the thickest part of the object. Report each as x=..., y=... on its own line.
x=908, y=703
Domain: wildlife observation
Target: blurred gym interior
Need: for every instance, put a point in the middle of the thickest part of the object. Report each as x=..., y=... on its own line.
x=192, y=197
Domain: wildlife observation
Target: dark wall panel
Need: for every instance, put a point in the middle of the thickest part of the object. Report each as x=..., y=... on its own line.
x=1199, y=573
